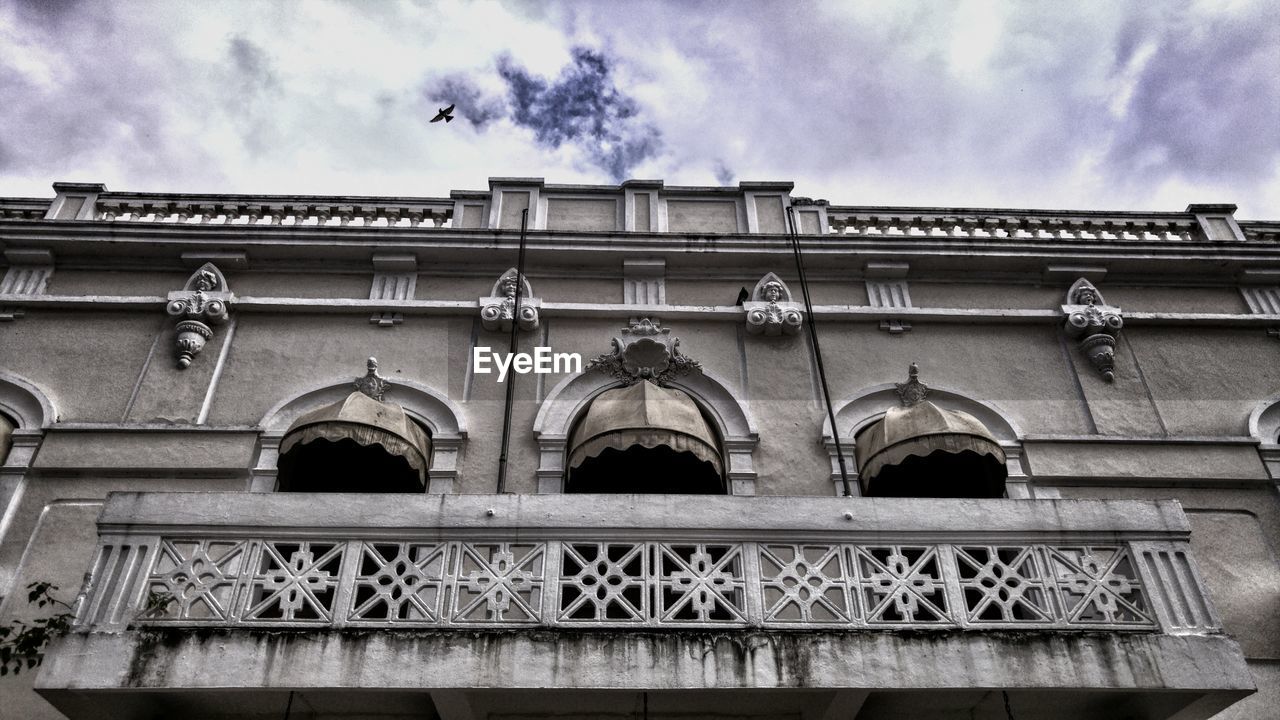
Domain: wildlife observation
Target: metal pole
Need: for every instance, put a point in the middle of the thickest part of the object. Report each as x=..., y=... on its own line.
x=817, y=351
x=515, y=341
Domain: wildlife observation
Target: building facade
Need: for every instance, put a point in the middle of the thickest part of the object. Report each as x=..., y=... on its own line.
x=257, y=444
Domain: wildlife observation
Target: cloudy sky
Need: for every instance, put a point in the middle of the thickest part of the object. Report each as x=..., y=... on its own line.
x=1106, y=105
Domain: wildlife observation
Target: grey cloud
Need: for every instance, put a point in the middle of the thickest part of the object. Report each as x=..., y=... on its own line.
x=104, y=103
x=43, y=13
x=724, y=175
x=474, y=105
x=252, y=71
x=821, y=92
x=252, y=65
x=1206, y=105
x=582, y=107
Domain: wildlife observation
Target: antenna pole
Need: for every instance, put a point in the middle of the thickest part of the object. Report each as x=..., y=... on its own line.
x=515, y=342
x=817, y=351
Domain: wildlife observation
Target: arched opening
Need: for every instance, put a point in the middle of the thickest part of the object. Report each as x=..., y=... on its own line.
x=645, y=439
x=7, y=426
x=357, y=444
x=926, y=451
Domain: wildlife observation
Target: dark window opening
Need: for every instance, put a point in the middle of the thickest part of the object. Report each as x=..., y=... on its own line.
x=639, y=469
x=346, y=466
x=941, y=474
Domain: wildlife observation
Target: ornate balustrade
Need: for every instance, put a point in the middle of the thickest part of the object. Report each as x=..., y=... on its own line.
x=1261, y=231
x=1014, y=224
x=273, y=210
x=580, y=561
x=23, y=208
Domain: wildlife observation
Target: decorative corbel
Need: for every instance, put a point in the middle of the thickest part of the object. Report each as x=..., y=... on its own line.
x=645, y=351
x=1094, y=324
x=499, y=309
x=204, y=301
x=770, y=310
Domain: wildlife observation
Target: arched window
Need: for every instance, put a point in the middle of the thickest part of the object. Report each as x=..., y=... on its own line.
x=643, y=438
x=922, y=450
x=357, y=444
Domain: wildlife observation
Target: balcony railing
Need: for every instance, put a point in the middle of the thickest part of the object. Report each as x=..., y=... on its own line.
x=341, y=561
x=1014, y=224
x=269, y=210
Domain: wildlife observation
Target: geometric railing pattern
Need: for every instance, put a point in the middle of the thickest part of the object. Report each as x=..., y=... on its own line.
x=264, y=582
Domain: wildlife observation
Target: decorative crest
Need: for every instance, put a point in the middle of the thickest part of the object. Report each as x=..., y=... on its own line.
x=645, y=351
x=498, y=311
x=770, y=310
x=912, y=392
x=373, y=384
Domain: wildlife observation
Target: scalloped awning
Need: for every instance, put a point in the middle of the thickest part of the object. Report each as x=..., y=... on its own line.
x=365, y=421
x=919, y=431
x=643, y=415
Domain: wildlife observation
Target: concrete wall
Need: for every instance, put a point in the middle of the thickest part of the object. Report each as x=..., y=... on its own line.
x=582, y=214
x=702, y=216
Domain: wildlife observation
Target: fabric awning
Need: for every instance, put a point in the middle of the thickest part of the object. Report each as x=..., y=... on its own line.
x=6, y=437
x=365, y=421
x=643, y=415
x=920, y=430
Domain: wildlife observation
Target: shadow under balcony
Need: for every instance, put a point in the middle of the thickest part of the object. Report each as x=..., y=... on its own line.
x=473, y=606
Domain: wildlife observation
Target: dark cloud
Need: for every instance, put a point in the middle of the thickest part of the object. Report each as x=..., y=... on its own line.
x=252, y=71
x=585, y=108
x=48, y=12
x=473, y=105
x=252, y=66
x=724, y=175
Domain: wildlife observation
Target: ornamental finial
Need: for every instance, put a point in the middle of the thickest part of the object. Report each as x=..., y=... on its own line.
x=372, y=384
x=912, y=392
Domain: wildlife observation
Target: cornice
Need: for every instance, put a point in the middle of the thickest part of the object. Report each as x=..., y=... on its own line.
x=72, y=240
x=853, y=313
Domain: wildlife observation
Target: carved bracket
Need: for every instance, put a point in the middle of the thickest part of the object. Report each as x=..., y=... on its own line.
x=645, y=351
x=498, y=310
x=1094, y=324
x=770, y=310
x=204, y=301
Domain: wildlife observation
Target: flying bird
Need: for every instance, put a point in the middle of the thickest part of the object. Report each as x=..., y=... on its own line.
x=444, y=114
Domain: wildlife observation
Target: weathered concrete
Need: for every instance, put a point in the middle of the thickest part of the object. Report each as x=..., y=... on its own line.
x=1196, y=667
x=798, y=517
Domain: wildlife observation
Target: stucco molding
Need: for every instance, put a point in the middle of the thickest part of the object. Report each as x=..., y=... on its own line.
x=26, y=402
x=1264, y=426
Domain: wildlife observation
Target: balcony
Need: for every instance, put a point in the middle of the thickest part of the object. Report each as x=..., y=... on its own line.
x=469, y=605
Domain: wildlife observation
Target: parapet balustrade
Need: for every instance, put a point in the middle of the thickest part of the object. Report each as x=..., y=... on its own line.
x=1012, y=224
x=251, y=210
x=580, y=561
x=23, y=208
x=1265, y=231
